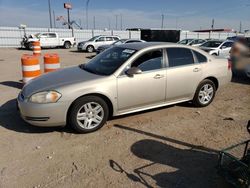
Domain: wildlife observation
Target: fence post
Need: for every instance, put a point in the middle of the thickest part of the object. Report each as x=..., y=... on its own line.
x=93, y=33
x=129, y=33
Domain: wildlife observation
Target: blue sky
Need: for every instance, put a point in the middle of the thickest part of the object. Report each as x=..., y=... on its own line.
x=184, y=14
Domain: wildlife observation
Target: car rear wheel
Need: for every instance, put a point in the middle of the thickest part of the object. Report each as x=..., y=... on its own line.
x=204, y=94
x=67, y=45
x=88, y=114
x=90, y=49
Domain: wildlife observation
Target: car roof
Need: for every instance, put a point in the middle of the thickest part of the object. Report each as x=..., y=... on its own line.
x=145, y=45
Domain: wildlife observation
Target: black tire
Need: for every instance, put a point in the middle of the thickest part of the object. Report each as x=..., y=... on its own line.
x=196, y=99
x=90, y=49
x=78, y=104
x=67, y=45
x=30, y=46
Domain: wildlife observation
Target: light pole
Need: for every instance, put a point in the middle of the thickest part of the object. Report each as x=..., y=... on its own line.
x=50, y=18
x=116, y=22
x=162, y=20
x=87, y=14
x=121, y=21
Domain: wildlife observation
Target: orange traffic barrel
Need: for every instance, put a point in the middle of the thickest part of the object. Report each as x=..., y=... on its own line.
x=51, y=62
x=30, y=67
x=36, y=48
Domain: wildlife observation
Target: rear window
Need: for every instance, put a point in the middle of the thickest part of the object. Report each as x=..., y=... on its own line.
x=200, y=58
x=179, y=57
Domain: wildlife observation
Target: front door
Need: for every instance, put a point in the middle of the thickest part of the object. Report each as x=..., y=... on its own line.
x=146, y=88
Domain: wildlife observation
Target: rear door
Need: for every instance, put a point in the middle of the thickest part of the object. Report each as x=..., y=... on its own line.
x=183, y=74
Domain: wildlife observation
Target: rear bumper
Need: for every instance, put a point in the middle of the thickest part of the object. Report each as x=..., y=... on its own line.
x=43, y=115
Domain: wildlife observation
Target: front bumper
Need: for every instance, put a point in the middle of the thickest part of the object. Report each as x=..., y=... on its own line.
x=81, y=47
x=44, y=115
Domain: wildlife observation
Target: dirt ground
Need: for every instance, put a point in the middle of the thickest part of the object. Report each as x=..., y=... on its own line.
x=168, y=147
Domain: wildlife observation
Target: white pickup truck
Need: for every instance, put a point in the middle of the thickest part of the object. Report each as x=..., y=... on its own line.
x=47, y=40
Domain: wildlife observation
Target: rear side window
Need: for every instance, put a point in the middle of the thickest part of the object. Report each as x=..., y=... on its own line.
x=115, y=39
x=200, y=58
x=179, y=57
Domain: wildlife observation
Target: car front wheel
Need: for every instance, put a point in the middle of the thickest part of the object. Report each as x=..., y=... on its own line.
x=88, y=114
x=204, y=94
x=90, y=49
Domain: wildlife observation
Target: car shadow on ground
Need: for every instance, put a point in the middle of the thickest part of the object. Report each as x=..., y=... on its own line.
x=14, y=84
x=10, y=119
x=194, y=166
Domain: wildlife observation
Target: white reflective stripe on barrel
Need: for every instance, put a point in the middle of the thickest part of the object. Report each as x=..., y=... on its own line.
x=52, y=66
x=31, y=68
x=37, y=47
x=37, y=51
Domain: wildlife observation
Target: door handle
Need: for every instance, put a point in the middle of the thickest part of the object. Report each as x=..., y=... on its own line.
x=158, y=76
x=196, y=69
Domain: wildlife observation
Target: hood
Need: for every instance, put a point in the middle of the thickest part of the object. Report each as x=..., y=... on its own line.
x=207, y=49
x=104, y=46
x=54, y=80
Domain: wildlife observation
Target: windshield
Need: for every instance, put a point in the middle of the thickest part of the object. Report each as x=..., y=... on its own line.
x=94, y=38
x=37, y=35
x=185, y=41
x=109, y=61
x=119, y=42
x=212, y=44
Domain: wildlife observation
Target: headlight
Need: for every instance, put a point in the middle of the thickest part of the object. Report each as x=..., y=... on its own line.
x=45, y=97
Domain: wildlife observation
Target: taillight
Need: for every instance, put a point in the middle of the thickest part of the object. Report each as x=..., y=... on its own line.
x=229, y=65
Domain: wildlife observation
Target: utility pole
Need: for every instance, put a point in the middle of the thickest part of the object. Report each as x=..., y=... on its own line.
x=240, y=27
x=212, y=24
x=121, y=21
x=162, y=20
x=50, y=18
x=54, y=19
x=109, y=23
x=116, y=22
x=87, y=14
x=94, y=22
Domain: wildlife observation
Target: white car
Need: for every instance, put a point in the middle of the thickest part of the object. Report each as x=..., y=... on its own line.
x=218, y=47
x=192, y=42
x=92, y=44
x=48, y=39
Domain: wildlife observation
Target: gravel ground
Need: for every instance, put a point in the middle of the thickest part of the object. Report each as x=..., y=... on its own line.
x=173, y=146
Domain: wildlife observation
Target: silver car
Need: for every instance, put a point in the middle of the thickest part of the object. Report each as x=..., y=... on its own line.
x=92, y=44
x=121, y=80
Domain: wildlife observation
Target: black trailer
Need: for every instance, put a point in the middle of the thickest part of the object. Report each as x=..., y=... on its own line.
x=159, y=35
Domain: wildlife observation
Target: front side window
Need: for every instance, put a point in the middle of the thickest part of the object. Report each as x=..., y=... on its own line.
x=152, y=60
x=101, y=39
x=227, y=45
x=109, y=39
x=109, y=61
x=179, y=57
x=52, y=35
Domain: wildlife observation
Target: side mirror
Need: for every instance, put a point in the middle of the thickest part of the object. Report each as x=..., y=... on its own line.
x=132, y=71
x=223, y=47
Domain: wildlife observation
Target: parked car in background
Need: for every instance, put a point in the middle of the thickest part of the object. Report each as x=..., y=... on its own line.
x=123, y=79
x=119, y=42
x=218, y=47
x=192, y=42
x=92, y=44
x=48, y=39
